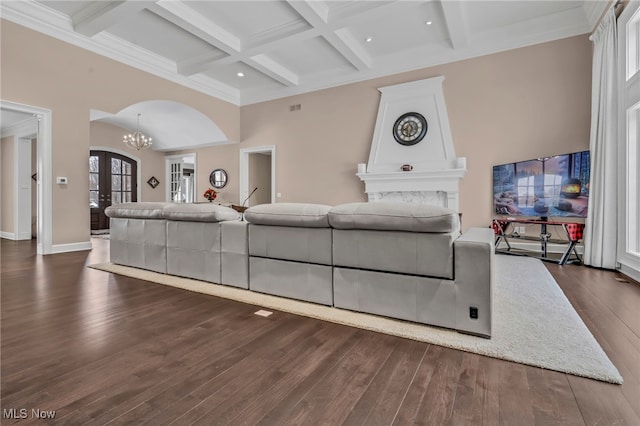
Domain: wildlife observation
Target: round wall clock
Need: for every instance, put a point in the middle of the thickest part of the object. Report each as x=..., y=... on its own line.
x=410, y=128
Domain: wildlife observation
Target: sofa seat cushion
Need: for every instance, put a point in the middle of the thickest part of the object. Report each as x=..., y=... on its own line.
x=201, y=212
x=427, y=254
x=136, y=210
x=383, y=216
x=289, y=214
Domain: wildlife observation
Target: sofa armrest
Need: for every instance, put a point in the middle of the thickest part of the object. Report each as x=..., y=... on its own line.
x=474, y=280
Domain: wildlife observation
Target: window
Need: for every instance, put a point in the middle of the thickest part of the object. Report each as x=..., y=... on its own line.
x=629, y=39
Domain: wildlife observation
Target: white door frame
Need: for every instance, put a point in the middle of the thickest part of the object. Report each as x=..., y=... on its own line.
x=167, y=173
x=44, y=170
x=244, y=170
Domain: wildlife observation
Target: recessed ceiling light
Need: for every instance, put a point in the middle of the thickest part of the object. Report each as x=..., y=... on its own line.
x=368, y=39
x=429, y=22
x=240, y=74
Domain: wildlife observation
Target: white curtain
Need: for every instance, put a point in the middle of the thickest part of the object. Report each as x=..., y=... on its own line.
x=600, y=241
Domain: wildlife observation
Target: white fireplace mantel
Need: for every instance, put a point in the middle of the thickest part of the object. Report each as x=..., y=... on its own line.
x=439, y=187
x=435, y=171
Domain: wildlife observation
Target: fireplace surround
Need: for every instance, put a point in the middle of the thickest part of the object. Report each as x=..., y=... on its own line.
x=425, y=172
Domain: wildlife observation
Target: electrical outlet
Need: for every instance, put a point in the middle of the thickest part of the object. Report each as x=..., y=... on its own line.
x=473, y=312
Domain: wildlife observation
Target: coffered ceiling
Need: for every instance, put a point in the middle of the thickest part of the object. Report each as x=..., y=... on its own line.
x=251, y=51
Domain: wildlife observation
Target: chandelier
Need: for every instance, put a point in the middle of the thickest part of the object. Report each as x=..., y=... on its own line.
x=136, y=139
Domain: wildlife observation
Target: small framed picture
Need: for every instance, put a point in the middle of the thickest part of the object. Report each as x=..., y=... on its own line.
x=153, y=182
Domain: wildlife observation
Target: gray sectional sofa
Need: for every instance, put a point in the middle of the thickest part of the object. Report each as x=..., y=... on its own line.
x=398, y=260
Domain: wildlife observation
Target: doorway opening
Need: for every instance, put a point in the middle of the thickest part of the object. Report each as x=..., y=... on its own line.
x=113, y=179
x=36, y=141
x=257, y=170
x=181, y=176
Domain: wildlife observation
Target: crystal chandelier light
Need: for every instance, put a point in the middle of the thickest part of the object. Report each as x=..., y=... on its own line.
x=136, y=139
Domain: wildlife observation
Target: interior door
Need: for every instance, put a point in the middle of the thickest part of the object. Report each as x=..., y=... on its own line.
x=112, y=180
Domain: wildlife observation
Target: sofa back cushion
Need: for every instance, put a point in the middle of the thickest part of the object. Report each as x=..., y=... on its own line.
x=289, y=214
x=188, y=212
x=201, y=212
x=136, y=210
x=383, y=216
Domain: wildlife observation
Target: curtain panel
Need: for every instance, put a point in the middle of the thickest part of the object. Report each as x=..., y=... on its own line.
x=602, y=223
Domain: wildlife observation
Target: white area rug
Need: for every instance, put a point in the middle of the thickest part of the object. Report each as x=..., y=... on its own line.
x=534, y=323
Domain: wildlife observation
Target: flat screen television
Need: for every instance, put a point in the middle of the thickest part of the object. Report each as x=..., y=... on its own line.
x=556, y=186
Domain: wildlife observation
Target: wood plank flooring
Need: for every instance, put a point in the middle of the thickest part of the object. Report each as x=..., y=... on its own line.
x=98, y=348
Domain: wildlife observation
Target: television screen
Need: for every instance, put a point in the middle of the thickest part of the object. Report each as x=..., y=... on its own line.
x=555, y=186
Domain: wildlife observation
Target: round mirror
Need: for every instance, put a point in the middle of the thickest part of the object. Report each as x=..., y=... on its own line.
x=218, y=178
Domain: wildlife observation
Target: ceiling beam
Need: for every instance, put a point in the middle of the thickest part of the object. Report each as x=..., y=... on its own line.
x=193, y=22
x=273, y=69
x=454, y=19
x=200, y=63
x=196, y=65
x=316, y=15
x=355, y=47
x=100, y=15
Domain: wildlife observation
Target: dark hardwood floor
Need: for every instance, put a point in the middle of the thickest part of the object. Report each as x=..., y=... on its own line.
x=97, y=348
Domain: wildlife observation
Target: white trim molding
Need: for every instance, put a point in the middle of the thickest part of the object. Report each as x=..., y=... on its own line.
x=65, y=248
x=244, y=170
x=167, y=173
x=44, y=170
x=7, y=235
x=628, y=250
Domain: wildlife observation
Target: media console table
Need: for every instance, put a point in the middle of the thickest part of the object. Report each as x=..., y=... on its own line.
x=573, y=231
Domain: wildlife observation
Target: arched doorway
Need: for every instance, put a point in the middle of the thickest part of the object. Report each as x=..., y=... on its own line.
x=112, y=180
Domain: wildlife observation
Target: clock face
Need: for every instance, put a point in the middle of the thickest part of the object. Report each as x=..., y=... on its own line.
x=410, y=128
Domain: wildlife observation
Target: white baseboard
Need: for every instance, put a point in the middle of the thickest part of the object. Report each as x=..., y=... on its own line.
x=64, y=248
x=630, y=272
x=7, y=235
x=24, y=236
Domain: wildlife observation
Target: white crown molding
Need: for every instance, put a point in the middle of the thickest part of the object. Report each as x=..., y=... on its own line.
x=419, y=58
x=594, y=10
x=44, y=20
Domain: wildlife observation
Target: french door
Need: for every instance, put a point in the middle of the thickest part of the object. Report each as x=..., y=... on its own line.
x=112, y=180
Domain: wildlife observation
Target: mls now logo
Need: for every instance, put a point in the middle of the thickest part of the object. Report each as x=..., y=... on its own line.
x=14, y=413
x=23, y=413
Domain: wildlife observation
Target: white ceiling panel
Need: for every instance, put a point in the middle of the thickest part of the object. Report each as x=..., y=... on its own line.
x=160, y=36
x=403, y=27
x=287, y=47
x=251, y=79
x=310, y=56
x=488, y=15
x=249, y=19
